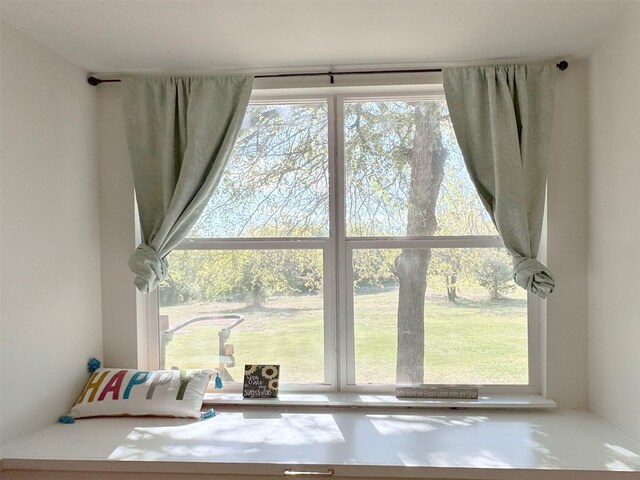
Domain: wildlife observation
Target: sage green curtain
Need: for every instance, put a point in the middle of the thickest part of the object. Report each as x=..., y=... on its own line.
x=502, y=116
x=180, y=131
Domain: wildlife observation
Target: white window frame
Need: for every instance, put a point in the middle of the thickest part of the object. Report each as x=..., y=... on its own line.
x=337, y=248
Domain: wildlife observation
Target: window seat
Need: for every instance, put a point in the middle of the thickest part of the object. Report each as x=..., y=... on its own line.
x=354, y=443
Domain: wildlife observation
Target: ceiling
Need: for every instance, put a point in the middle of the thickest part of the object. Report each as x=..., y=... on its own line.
x=134, y=36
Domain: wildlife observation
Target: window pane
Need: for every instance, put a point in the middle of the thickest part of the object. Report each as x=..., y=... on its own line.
x=405, y=174
x=276, y=183
x=276, y=293
x=469, y=327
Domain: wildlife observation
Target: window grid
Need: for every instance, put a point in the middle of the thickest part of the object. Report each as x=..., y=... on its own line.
x=339, y=353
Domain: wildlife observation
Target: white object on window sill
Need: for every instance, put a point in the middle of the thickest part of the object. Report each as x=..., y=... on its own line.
x=343, y=399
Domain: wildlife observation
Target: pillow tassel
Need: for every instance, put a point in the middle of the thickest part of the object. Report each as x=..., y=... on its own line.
x=218, y=381
x=208, y=414
x=93, y=364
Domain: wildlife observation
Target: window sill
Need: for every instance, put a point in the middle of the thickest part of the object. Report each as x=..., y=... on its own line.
x=492, y=401
x=247, y=442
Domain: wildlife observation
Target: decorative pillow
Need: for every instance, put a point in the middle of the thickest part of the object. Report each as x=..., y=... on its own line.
x=116, y=391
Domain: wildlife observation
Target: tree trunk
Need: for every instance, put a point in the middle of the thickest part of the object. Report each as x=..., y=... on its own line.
x=426, y=158
x=495, y=289
x=256, y=295
x=411, y=268
x=452, y=288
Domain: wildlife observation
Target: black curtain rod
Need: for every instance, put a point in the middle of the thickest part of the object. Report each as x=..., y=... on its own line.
x=563, y=65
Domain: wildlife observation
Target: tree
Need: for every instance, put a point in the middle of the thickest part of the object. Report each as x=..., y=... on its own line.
x=426, y=158
x=277, y=181
x=450, y=264
x=373, y=267
x=460, y=212
x=496, y=274
x=276, y=184
x=249, y=274
x=395, y=159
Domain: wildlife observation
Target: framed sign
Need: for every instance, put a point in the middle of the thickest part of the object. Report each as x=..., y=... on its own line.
x=260, y=381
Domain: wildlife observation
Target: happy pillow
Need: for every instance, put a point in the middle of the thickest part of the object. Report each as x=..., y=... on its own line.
x=115, y=391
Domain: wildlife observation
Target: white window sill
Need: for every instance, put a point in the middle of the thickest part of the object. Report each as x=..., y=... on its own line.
x=493, y=401
x=391, y=443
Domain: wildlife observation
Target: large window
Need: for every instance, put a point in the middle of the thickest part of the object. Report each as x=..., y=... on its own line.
x=346, y=243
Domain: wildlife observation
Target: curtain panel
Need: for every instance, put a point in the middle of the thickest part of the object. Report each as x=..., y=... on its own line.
x=180, y=132
x=502, y=117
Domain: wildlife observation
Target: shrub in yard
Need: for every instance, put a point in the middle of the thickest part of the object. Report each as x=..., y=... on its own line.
x=495, y=274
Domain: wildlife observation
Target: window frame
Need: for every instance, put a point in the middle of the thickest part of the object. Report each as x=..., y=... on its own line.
x=337, y=250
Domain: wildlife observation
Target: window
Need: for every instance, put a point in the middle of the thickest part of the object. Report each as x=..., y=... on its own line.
x=346, y=243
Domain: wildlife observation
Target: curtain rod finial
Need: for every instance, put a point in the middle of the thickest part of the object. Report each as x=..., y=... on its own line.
x=563, y=65
x=93, y=81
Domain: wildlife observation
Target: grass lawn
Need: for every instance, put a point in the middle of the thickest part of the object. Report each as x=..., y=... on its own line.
x=471, y=341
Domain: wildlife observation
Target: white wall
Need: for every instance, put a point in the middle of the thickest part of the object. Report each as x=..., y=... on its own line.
x=117, y=232
x=50, y=252
x=566, y=322
x=566, y=329
x=614, y=227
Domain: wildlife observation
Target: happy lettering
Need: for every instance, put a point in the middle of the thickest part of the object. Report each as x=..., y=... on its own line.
x=117, y=387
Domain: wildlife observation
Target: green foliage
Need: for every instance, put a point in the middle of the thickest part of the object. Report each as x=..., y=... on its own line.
x=452, y=268
x=276, y=184
x=253, y=275
x=374, y=267
x=495, y=273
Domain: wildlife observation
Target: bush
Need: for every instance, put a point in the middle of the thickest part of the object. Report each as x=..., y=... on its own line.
x=495, y=274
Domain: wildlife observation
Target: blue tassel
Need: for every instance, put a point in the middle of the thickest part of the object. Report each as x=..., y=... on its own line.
x=208, y=414
x=93, y=364
x=218, y=381
x=66, y=419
